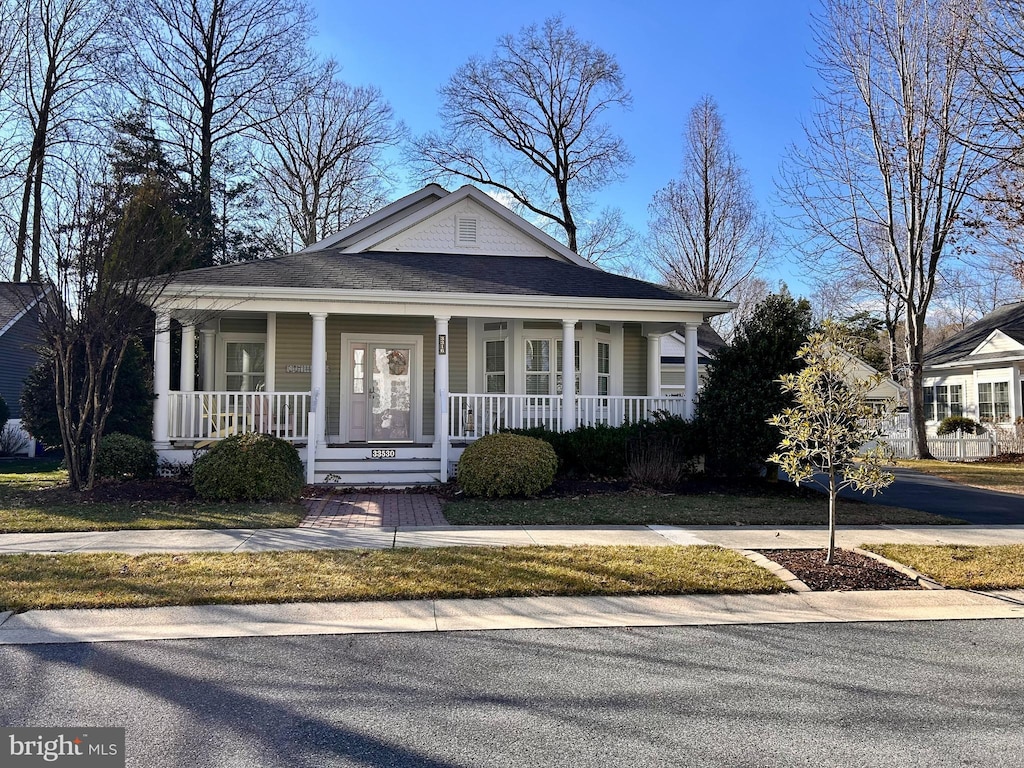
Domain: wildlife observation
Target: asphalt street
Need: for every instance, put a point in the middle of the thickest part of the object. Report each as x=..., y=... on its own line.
x=875, y=694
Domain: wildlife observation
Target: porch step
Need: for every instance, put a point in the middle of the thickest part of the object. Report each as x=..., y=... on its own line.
x=376, y=465
x=365, y=452
x=381, y=478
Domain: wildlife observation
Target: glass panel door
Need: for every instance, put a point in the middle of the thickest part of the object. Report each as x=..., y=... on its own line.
x=391, y=394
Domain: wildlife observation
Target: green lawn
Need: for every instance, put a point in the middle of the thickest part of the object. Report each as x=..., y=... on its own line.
x=962, y=567
x=993, y=476
x=117, y=580
x=34, y=498
x=696, y=509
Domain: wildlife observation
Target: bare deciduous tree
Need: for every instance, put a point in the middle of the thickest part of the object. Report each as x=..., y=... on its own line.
x=706, y=233
x=62, y=45
x=528, y=122
x=323, y=163
x=890, y=149
x=212, y=70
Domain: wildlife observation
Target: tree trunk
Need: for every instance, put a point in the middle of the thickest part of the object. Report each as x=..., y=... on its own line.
x=915, y=359
x=833, y=491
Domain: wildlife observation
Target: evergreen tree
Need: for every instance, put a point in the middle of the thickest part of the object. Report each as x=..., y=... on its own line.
x=742, y=390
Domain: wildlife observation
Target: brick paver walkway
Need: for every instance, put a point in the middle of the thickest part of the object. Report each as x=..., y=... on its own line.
x=372, y=510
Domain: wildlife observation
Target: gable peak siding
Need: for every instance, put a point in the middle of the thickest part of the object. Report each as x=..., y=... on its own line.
x=439, y=234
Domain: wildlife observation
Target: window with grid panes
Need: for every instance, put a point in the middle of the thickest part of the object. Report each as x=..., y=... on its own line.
x=494, y=366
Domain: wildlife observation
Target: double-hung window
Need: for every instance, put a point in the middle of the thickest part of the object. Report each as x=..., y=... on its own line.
x=494, y=366
x=994, y=401
x=538, y=366
x=604, y=357
x=943, y=400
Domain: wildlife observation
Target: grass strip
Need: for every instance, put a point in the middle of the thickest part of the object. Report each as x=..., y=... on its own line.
x=960, y=566
x=696, y=509
x=111, y=580
x=992, y=476
x=34, y=499
x=106, y=516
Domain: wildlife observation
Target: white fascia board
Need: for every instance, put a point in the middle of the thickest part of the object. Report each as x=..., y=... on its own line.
x=469, y=191
x=431, y=190
x=220, y=298
x=966, y=362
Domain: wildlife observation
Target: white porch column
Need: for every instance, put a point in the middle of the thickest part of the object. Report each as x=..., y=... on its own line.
x=188, y=357
x=318, y=373
x=653, y=365
x=161, y=379
x=690, y=409
x=441, y=386
x=568, y=375
x=206, y=358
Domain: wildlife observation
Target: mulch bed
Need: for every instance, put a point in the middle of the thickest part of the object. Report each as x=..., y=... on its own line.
x=1003, y=458
x=849, y=571
x=124, y=492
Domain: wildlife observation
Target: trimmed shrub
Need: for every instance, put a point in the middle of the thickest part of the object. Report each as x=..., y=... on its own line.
x=507, y=465
x=249, y=467
x=125, y=456
x=608, y=452
x=953, y=424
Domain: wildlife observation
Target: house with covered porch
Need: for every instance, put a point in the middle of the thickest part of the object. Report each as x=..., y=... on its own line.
x=383, y=350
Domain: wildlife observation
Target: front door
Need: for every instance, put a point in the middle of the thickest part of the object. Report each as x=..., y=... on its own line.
x=380, y=409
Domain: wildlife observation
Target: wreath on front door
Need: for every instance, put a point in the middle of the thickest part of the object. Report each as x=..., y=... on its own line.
x=398, y=362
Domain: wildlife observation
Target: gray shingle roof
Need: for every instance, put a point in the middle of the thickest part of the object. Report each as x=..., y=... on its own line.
x=1008, y=318
x=430, y=272
x=14, y=297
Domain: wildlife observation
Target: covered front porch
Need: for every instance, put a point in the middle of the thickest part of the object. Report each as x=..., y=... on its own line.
x=376, y=399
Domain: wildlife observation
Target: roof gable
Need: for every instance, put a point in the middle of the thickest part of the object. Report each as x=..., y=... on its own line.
x=16, y=299
x=433, y=228
x=1007, y=319
x=997, y=342
x=379, y=220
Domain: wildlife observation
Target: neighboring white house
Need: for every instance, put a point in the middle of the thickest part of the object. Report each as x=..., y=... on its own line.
x=673, y=358
x=384, y=349
x=977, y=372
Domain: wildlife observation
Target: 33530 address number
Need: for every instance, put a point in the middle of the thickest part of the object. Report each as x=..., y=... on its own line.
x=383, y=453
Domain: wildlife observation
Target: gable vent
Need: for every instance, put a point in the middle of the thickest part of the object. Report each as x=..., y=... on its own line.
x=465, y=231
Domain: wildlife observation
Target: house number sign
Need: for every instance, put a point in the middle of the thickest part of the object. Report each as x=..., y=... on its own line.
x=442, y=344
x=383, y=453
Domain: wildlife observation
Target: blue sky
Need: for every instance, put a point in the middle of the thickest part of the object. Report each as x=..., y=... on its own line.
x=752, y=56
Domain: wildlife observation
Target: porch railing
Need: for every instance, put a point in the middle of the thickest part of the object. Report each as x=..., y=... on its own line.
x=202, y=416
x=473, y=416
x=616, y=411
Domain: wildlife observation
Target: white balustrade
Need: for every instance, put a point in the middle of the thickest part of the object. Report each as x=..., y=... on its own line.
x=216, y=415
x=473, y=416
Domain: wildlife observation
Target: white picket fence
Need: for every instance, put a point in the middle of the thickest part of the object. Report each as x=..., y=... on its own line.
x=957, y=447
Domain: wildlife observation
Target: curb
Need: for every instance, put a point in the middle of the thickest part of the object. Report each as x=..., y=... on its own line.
x=786, y=575
x=923, y=581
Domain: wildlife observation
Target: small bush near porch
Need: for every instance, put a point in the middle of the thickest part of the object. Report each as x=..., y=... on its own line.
x=34, y=498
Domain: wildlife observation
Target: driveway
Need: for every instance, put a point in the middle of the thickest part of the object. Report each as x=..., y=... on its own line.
x=916, y=490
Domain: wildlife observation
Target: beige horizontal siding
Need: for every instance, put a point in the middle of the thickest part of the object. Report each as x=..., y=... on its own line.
x=634, y=361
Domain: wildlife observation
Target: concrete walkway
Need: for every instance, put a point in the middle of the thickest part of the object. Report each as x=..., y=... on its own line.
x=278, y=539
x=104, y=625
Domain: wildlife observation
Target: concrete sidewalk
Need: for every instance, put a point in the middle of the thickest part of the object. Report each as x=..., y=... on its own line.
x=108, y=625
x=279, y=539
x=105, y=625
